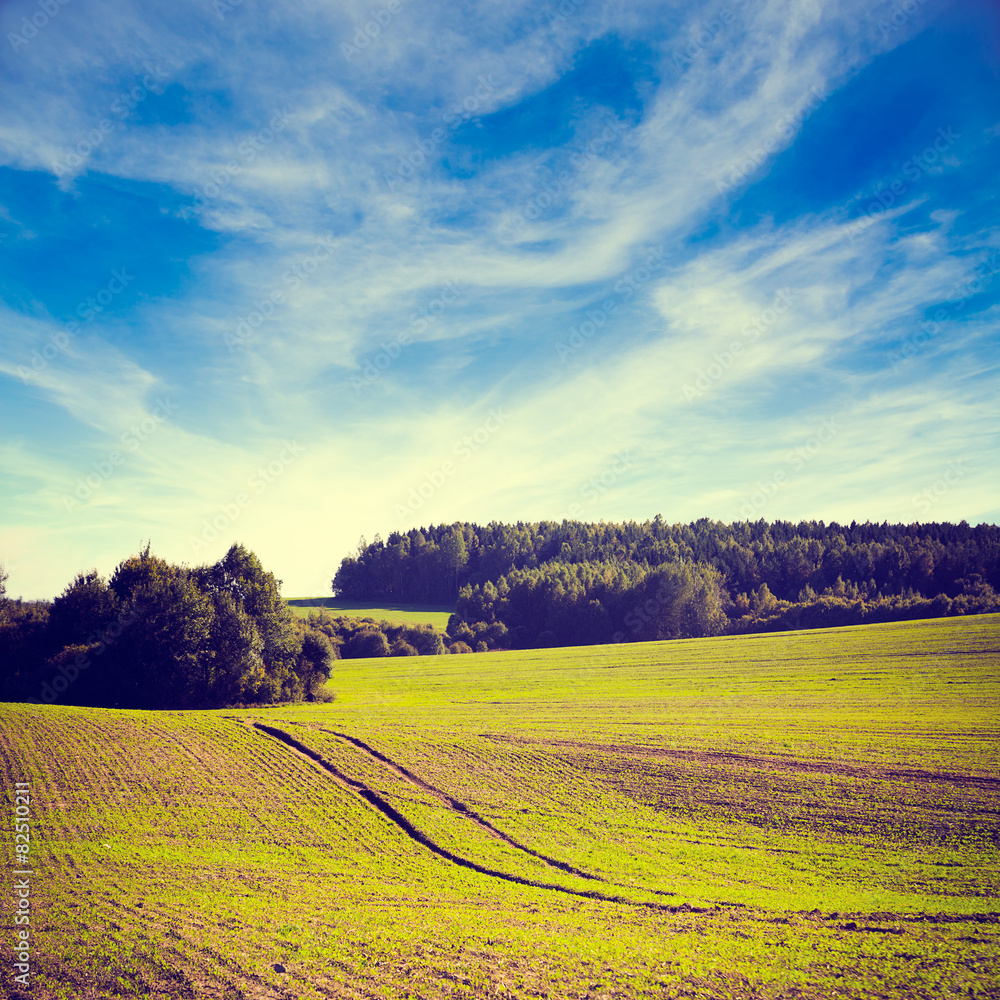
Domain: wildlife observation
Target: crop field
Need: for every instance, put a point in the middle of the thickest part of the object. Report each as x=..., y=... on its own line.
x=396, y=614
x=799, y=815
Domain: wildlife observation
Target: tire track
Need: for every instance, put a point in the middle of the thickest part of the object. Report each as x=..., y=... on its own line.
x=398, y=819
x=460, y=807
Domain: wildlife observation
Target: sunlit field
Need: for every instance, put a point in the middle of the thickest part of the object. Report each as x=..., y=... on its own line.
x=809, y=814
x=396, y=614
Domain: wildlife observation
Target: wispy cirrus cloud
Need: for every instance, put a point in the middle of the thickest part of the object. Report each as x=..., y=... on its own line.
x=453, y=202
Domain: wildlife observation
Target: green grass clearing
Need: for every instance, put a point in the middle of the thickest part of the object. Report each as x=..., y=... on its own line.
x=396, y=614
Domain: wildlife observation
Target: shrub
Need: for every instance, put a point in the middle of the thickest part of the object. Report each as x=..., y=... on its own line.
x=368, y=642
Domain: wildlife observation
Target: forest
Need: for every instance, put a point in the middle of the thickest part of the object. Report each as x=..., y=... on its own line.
x=541, y=584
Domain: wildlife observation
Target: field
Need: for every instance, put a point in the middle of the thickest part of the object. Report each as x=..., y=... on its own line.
x=396, y=614
x=807, y=815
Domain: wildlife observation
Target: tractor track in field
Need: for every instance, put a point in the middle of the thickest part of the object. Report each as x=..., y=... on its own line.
x=377, y=802
x=458, y=806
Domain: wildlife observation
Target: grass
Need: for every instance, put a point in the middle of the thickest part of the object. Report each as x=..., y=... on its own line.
x=811, y=814
x=396, y=614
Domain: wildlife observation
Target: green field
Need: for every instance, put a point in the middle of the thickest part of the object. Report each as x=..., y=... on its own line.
x=808, y=815
x=396, y=614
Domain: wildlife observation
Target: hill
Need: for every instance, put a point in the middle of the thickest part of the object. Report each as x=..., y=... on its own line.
x=810, y=814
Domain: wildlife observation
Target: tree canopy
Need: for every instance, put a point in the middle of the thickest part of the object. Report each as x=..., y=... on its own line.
x=162, y=636
x=549, y=583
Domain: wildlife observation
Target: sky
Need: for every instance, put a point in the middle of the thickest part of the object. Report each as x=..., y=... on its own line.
x=293, y=273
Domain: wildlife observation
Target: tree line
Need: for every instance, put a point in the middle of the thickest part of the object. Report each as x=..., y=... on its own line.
x=156, y=635
x=162, y=636
x=571, y=583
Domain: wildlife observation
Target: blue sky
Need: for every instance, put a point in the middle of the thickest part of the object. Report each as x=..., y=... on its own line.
x=292, y=273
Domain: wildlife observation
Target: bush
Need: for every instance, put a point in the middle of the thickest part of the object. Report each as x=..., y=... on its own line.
x=315, y=660
x=366, y=643
x=426, y=640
